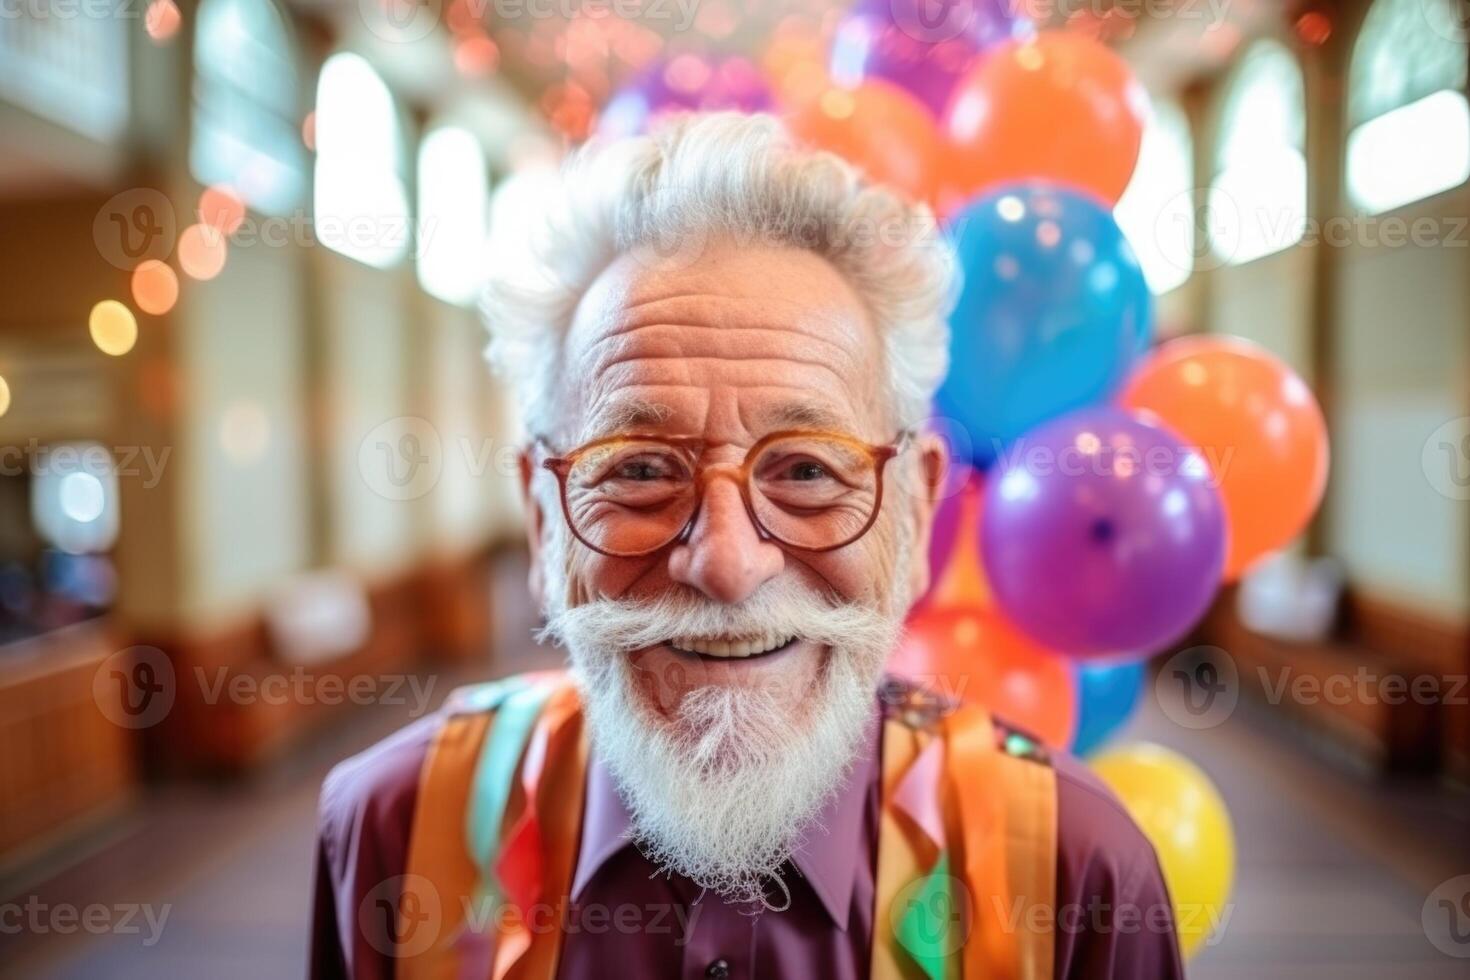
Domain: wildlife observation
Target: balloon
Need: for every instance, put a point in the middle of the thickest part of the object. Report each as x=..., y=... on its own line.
x=1060, y=106
x=795, y=62
x=1256, y=424
x=944, y=537
x=903, y=43
x=975, y=656
x=880, y=129
x=1181, y=813
x=686, y=83
x=1049, y=316
x=955, y=575
x=1102, y=534
x=1107, y=694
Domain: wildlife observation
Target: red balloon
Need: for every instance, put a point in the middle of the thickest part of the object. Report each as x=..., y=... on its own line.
x=1059, y=106
x=973, y=655
x=882, y=130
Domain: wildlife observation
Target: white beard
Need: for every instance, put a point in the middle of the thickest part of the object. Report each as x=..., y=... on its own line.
x=722, y=790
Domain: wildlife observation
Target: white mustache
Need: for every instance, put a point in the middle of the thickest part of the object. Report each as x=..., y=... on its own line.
x=780, y=607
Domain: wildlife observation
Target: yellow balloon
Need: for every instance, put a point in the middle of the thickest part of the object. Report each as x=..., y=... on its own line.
x=1183, y=815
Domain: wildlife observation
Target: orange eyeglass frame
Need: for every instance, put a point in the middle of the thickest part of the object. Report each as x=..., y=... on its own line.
x=878, y=455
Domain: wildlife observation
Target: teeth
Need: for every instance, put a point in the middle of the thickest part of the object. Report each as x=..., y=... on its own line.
x=711, y=647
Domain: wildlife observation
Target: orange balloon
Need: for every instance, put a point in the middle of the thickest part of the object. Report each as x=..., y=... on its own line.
x=796, y=63
x=962, y=582
x=973, y=655
x=1059, y=106
x=882, y=130
x=1257, y=426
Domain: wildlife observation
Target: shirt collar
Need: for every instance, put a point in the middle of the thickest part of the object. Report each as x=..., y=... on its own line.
x=827, y=857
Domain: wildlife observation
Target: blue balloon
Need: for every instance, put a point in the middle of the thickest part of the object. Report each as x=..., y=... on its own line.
x=1052, y=315
x=1107, y=694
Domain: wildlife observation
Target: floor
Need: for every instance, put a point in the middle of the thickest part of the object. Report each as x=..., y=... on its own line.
x=1334, y=868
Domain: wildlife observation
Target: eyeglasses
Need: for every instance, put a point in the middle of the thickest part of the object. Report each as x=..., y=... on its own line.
x=629, y=496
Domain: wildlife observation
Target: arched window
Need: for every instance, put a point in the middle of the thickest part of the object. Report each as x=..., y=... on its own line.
x=246, y=109
x=361, y=197
x=1409, y=123
x=68, y=65
x=1258, y=197
x=1156, y=211
x=453, y=214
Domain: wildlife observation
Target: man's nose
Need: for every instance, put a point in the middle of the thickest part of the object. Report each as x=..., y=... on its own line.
x=725, y=556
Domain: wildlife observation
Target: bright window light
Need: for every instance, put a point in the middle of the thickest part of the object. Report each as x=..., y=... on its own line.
x=361, y=203
x=246, y=131
x=1258, y=198
x=1409, y=153
x=1410, y=135
x=453, y=215
x=1156, y=211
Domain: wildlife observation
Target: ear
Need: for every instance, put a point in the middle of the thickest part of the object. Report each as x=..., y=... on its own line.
x=535, y=522
x=932, y=466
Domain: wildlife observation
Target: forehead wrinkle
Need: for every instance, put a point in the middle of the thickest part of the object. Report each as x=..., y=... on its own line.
x=769, y=312
x=664, y=341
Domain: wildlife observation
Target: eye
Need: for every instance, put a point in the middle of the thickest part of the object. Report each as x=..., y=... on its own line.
x=642, y=469
x=806, y=470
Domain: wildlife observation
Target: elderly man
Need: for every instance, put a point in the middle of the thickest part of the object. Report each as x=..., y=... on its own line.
x=724, y=347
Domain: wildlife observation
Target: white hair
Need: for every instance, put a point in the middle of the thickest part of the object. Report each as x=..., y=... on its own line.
x=700, y=177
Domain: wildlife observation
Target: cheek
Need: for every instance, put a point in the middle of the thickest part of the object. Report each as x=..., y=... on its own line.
x=590, y=575
x=864, y=571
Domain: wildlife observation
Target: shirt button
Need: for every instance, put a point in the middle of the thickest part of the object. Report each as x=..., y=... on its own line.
x=718, y=970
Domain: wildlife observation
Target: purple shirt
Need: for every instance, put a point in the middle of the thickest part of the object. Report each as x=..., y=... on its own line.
x=628, y=918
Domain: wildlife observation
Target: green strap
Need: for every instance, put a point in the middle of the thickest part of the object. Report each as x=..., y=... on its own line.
x=930, y=927
x=487, y=696
x=515, y=716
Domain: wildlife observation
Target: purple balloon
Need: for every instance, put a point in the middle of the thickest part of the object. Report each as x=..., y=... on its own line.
x=959, y=484
x=1102, y=533
x=689, y=82
x=918, y=45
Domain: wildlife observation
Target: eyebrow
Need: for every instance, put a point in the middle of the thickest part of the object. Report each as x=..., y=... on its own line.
x=805, y=415
x=625, y=417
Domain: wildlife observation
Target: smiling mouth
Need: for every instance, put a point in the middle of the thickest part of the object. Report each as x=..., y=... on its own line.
x=724, y=649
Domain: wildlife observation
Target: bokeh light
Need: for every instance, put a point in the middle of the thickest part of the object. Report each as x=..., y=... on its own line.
x=4, y=395
x=155, y=287
x=476, y=56
x=82, y=497
x=244, y=432
x=162, y=20
x=202, y=251
x=113, y=327
x=220, y=207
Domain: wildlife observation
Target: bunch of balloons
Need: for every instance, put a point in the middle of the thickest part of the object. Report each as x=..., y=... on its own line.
x=1103, y=489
